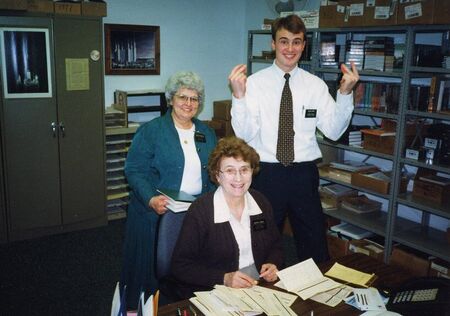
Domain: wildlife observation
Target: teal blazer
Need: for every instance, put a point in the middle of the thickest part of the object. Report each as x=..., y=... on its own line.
x=156, y=160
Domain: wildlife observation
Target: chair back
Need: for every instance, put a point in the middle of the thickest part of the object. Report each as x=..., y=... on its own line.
x=168, y=231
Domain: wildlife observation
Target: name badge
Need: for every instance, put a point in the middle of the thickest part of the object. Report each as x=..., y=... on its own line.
x=259, y=225
x=310, y=113
x=200, y=137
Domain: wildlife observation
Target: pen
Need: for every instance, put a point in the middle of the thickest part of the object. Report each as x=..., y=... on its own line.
x=194, y=313
x=178, y=311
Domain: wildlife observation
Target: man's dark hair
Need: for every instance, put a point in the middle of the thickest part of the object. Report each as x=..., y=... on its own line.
x=292, y=23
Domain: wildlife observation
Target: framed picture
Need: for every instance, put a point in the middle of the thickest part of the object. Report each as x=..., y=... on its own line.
x=131, y=49
x=26, y=59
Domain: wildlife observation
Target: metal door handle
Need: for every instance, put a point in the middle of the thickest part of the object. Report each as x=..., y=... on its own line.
x=62, y=129
x=54, y=126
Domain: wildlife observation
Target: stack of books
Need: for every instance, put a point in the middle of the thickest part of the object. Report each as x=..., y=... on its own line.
x=354, y=53
x=328, y=55
x=379, y=52
x=360, y=204
x=353, y=135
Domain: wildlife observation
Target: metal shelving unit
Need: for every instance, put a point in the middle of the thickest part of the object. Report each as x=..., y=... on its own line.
x=118, y=140
x=389, y=224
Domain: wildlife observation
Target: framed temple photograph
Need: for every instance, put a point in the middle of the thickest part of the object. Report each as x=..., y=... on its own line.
x=25, y=56
x=132, y=49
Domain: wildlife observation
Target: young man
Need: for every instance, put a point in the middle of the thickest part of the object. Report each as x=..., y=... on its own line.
x=289, y=177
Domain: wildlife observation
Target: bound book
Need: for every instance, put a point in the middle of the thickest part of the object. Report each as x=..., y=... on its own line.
x=353, y=166
x=337, y=190
x=360, y=204
x=179, y=201
x=439, y=180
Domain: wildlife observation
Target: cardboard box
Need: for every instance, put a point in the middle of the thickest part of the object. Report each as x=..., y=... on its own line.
x=364, y=180
x=367, y=247
x=13, y=4
x=441, y=12
x=329, y=16
x=378, y=143
x=410, y=262
x=416, y=12
x=337, y=247
x=67, y=8
x=435, y=193
x=93, y=9
x=356, y=13
x=222, y=128
x=44, y=6
x=222, y=110
x=375, y=15
x=335, y=174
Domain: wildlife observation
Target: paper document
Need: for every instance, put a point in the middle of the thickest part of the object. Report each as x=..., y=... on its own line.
x=349, y=275
x=179, y=201
x=333, y=297
x=369, y=299
x=305, y=279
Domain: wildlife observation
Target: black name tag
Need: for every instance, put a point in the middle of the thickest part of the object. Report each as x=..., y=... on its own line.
x=310, y=113
x=200, y=137
x=259, y=224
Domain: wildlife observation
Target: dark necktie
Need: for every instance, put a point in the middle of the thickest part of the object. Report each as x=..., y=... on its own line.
x=285, y=143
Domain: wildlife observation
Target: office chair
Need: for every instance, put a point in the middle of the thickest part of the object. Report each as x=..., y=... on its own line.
x=168, y=231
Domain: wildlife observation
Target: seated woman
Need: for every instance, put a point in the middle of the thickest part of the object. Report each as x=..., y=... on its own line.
x=228, y=236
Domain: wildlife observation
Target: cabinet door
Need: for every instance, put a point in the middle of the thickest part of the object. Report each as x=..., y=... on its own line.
x=31, y=153
x=81, y=112
x=3, y=234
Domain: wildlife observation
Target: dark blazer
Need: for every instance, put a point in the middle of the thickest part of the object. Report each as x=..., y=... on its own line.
x=205, y=251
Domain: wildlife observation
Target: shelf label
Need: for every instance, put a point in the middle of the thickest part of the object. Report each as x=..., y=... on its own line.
x=413, y=11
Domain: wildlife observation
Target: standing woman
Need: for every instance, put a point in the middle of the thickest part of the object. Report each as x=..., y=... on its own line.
x=168, y=152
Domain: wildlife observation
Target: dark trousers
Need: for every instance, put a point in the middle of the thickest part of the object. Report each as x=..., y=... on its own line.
x=293, y=191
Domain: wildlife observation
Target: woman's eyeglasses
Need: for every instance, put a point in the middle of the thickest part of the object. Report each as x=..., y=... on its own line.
x=232, y=172
x=184, y=98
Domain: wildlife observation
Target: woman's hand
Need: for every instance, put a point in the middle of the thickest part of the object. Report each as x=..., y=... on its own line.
x=238, y=80
x=159, y=204
x=269, y=272
x=238, y=279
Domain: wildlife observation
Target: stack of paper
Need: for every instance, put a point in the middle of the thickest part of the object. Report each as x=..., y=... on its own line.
x=179, y=201
x=252, y=301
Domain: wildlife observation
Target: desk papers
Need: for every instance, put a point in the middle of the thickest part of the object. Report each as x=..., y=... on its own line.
x=305, y=280
x=333, y=297
x=349, y=275
x=251, y=301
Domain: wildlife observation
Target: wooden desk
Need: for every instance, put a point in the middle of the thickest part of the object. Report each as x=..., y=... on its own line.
x=389, y=277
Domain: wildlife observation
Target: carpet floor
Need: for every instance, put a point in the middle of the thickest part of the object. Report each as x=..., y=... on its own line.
x=68, y=274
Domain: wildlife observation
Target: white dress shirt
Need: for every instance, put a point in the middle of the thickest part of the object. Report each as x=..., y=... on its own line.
x=255, y=117
x=241, y=229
